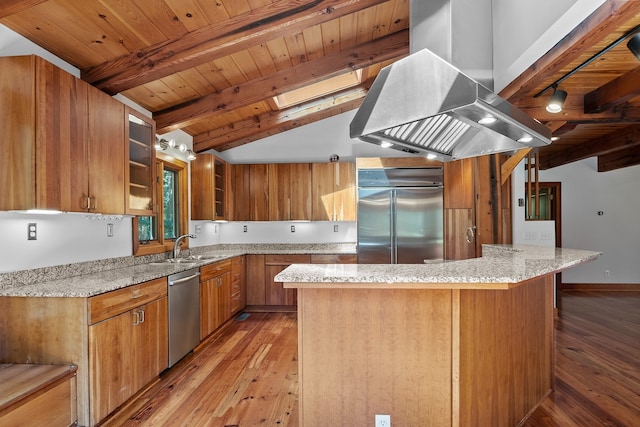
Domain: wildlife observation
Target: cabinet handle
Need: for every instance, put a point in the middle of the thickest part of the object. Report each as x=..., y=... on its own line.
x=471, y=234
x=95, y=203
x=136, y=294
x=136, y=317
x=88, y=200
x=141, y=316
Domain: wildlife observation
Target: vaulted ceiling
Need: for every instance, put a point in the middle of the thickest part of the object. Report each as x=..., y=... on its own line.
x=214, y=68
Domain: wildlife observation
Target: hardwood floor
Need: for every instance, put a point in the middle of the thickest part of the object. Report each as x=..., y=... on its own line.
x=246, y=373
x=597, y=358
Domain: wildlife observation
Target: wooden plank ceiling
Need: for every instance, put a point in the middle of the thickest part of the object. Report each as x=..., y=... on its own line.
x=213, y=67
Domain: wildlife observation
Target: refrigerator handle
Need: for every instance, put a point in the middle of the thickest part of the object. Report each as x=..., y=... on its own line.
x=392, y=226
x=471, y=234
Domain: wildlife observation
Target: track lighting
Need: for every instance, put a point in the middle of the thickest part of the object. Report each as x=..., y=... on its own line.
x=557, y=100
x=634, y=45
x=161, y=144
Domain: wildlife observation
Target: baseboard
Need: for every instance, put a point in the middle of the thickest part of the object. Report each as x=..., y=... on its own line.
x=270, y=308
x=601, y=287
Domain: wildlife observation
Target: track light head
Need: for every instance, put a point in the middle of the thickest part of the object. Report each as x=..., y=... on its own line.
x=634, y=45
x=557, y=100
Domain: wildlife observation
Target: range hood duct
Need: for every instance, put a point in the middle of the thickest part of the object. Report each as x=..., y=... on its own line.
x=424, y=104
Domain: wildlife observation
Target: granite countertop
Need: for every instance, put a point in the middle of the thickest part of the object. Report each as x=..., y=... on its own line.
x=86, y=283
x=500, y=267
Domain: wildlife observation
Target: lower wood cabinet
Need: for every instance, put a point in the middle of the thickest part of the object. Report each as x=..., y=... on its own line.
x=264, y=293
x=215, y=296
x=125, y=353
x=118, y=340
x=238, y=284
x=128, y=350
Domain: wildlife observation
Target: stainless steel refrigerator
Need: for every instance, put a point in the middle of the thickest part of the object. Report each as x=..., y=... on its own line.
x=400, y=215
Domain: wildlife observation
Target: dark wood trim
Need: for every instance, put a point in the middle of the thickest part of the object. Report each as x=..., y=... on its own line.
x=600, y=287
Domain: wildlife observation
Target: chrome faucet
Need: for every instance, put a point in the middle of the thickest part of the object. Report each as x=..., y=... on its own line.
x=176, y=245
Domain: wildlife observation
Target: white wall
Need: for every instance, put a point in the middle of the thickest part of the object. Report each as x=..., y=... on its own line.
x=615, y=233
x=314, y=142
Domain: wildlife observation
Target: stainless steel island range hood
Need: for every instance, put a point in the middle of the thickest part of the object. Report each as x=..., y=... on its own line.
x=423, y=104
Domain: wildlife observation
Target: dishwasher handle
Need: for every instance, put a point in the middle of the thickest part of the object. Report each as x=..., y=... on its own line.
x=184, y=279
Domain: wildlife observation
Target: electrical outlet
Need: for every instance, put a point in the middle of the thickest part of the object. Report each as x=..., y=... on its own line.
x=199, y=229
x=32, y=231
x=383, y=420
x=293, y=228
x=244, y=228
x=607, y=273
x=335, y=228
x=109, y=230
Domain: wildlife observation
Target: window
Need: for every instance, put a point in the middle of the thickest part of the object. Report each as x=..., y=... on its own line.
x=156, y=234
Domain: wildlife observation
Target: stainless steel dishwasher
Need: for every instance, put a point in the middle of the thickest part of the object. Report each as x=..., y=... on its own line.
x=184, y=313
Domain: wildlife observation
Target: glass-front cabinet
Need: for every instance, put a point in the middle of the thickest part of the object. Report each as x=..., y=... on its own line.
x=140, y=170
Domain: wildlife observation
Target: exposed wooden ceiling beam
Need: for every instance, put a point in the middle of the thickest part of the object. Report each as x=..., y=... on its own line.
x=606, y=19
x=616, y=92
x=383, y=49
x=255, y=128
x=623, y=139
x=215, y=41
x=619, y=159
x=575, y=114
x=10, y=7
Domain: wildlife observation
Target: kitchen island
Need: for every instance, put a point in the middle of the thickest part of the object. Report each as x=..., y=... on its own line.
x=450, y=343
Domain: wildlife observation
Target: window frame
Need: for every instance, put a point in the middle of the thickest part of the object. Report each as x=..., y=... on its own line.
x=162, y=245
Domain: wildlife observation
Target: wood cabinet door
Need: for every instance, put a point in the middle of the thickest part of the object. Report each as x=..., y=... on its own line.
x=275, y=293
x=239, y=189
x=300, y=205
x=345, y=198
x=208, y=306
x=333, y=191
x=202, y=187
x=110, y=364
x=256, y=282
x=279, y=201
x=322, y=201
x=150, y=342
x=259, y=192
x=107, y=156
x=61, y=151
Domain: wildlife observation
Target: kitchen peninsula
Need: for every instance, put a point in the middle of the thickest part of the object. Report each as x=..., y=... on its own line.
x=450, y=343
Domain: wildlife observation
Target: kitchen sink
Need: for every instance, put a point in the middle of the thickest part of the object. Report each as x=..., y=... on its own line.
x=189, y=260
x=184, y=261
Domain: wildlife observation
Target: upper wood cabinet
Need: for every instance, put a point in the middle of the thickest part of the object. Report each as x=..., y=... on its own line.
x=334, y=191
x=208, y=188
x=106, y=151
x=293, y=191
x=62, y=141
x=289, y=191
x=140, y=171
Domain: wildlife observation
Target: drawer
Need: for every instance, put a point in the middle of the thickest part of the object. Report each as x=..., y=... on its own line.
x=115, y=302
x=237, y=262
x=212, y=270
x=334, y=259
x=286, y=259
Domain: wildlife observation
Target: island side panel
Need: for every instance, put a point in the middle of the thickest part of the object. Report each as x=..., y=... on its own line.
x=505, y=352
x=365, y=351
x=50, y=331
